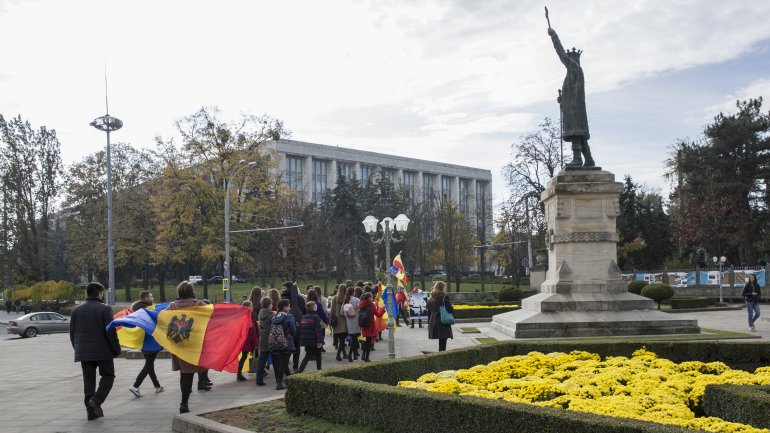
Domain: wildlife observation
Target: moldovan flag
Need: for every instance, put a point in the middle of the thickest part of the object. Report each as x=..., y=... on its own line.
x=209, y=336
x=135, y=337
x=399, y=271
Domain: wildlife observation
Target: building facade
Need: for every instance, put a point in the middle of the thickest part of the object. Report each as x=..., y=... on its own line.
x=311, y=169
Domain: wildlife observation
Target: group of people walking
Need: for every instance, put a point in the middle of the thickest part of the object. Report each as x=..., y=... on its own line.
x=282, y=323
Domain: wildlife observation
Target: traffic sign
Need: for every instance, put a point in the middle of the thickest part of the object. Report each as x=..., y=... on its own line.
x=525, y=262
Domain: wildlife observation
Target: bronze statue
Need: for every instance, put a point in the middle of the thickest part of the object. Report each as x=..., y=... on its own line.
x=572, y=103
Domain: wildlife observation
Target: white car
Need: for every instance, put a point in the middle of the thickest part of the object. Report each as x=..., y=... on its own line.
x=195, y=279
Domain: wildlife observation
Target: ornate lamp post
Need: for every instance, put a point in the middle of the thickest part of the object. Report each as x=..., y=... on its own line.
x=721, y=261
x=389, y=225
x=226, y=278
x=108, y=124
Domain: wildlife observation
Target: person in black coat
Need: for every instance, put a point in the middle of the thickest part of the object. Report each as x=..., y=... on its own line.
x=297, y=309
x=95, y=347
x=311, y=336
x=436, y=329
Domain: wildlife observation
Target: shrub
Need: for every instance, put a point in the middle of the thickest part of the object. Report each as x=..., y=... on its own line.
x=509, y=294
x=738, y=403
x=658, y=292
x=48, y=290
x=692, y=302
x=635, y=287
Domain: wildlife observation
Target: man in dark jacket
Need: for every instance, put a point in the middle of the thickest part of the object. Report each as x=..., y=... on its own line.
x=95, y=347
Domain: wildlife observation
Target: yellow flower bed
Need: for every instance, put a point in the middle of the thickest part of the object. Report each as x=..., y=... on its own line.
x=479, y=307
x=643, y=387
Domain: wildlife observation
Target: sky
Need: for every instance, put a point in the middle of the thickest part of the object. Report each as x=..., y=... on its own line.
x=455, y=81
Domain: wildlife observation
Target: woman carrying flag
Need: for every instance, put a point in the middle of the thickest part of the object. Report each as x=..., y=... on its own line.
x=186, y=370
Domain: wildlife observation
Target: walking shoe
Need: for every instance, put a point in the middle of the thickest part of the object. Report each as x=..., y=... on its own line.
x=280, y=386
x=183, y=408
x=202, y=387
x=96, y=407
x=158, y=389
x=261, y=383
x=241, y=378
x=134, y=390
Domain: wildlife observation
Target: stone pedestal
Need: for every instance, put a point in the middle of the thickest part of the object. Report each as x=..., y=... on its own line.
x=583, y=294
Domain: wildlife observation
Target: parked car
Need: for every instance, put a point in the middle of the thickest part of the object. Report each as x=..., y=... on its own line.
x=29, y=325
x=195, y=279
x=215, y=280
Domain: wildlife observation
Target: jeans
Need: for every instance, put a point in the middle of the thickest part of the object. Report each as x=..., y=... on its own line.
x=261, y=362
x=148, y=369
x=753, y=309
x=281, y=365
x=107, y=373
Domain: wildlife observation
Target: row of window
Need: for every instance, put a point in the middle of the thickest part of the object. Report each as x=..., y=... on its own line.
x=294, y=171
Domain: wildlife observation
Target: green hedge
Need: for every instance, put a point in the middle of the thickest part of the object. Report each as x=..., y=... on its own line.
x=369, y=387
x=738, y=403
x=692, y=302
x=481, y=312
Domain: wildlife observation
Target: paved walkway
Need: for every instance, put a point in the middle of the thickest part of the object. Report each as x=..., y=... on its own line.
x=41, y=387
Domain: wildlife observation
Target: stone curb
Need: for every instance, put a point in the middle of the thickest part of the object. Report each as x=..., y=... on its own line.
x=195, y=423
x=699, y=310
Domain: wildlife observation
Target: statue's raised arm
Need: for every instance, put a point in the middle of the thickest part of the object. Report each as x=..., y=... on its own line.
x=558, y=47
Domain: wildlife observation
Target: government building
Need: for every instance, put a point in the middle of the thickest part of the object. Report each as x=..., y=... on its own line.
x=311, y=169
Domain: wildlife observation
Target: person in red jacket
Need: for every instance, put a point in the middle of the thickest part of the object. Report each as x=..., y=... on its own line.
x=369, y=331
x=403, y=306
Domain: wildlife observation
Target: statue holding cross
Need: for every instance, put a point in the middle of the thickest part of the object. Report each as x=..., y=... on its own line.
x=572, y=103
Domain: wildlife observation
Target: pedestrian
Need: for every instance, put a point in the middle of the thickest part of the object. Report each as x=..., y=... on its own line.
x=275, y=296
x=289, y=329
x=8, y=306
x=312, y=296
x=339, y=326
x=297, y=309
x=436, y=329
x=752, y=294
x=17, y=305
x=350, y=313
x=95, y=348
x=145, y=300
x=186, y=299
x=251, y=343
x=403, y=306
x=415, y=311
x=367, y=314
x=311, y=335
x=265, y=318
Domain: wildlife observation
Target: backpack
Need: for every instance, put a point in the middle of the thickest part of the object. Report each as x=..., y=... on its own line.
x=365, y=317
x=349, y=310
x=276, y=340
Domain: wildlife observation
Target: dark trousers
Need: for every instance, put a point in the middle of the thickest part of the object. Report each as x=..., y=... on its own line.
x=295, y=355
x=261, y=362
x=281, y=365
x=185, y=384
x=242, y=361
x=107, y=377
x=367, y=347
x=442, y=344
x=402, y=314
x=148, y=369
x=203, y=377
x=312, y=352
x=354, y=346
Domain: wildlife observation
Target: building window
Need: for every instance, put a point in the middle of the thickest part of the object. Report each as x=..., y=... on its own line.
x=427, y=187
x=408, y=184
x=366, y=174
x=294, y=172
x=319, y=181
x=389, y=173
x=346, y=169
x=463, y=199
x=446, y=187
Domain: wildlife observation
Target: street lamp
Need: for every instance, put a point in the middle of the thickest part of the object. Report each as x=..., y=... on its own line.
x=108, y=124
x=721, y=261
x=399, y=225
x=226, y=278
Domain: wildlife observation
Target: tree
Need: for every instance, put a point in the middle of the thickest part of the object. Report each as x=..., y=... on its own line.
x=644, y=228
x=455, y=240
x=721, y=185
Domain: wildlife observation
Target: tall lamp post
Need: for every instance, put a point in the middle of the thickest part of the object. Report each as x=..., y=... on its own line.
x=226, y=279
x=108, y=124
x=721, y=261
x=389, y=225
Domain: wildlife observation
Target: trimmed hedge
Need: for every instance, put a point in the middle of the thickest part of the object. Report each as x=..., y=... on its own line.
x=658, y=292
x=692, y=302
x=738, y=403
x=636, y=287
x=369, y=387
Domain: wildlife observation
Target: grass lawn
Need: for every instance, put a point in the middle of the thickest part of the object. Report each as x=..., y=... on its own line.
x=271, y=417
x=216, y=294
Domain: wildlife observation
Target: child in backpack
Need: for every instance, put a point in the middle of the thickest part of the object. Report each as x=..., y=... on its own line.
x=367, y=314
x=311, y=336
x=281, y=356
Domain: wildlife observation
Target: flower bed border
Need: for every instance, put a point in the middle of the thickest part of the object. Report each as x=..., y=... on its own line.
x=738, y=403
x=330, y=394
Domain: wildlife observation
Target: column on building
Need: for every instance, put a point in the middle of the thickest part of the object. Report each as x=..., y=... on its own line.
x=307, y=177
x=331, y=174
x=455, y=188
x=472, y=198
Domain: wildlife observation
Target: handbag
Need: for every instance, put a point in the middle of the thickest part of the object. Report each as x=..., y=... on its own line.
x=446, y=317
